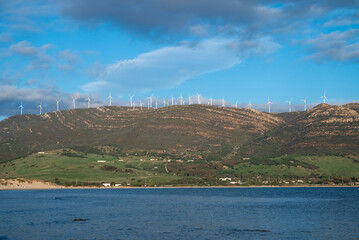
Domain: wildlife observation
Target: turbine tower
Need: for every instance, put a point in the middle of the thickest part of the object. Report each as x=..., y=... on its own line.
x=110, y=99
x=305, y=103
x=250, y=105
x=198, y=98
x=151, y=100
x=189, y=100
x=156, y=104
x=290, y=104
x=172, y=99
x=235, y=105
x=211, y=101
x=223, y=105
x=325, y=99
x=131, y=97
x=141, y=105
x=269, y=103
x=21, y=108
x=73, y=102
x=40, y=107
x=181, y=100
x=58, y=104
x=88, y=102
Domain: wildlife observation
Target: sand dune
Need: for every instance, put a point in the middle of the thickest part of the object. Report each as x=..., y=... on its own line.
x=20, y=183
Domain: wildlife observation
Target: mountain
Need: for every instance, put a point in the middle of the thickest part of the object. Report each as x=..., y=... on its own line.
x=325, y=129
x=177, y=127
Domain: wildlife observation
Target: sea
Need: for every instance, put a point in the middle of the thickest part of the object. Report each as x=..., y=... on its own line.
x=181, y=213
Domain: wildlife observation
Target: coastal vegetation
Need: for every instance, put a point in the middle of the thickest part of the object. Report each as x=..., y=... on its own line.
x=154, y=169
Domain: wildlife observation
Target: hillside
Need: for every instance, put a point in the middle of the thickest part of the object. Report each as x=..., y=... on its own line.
x=323, y=130
x=225, y=132
x=183, y=145
x=177, y=128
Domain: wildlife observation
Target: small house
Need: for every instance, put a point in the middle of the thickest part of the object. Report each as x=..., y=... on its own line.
x=226, y=179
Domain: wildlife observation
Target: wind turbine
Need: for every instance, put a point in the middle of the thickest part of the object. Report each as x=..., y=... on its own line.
x=88, y=102
x=325, y=99
x=58, y=104
x=40, y=107
x=269, y=103
x=198, y=98
x=133, y=105
x=74, y=102
x=110, y=99
x=189, y=100
x=290, y=104
x=305, y=103
x=156, y=104
x=141, y=105
x=223, y=105
x=131, y=97
x=21, y=108
x=181, y=100
x=236, y=105
x=250, y=105
x=211, y=101
x=172, y=99
x=151, y=99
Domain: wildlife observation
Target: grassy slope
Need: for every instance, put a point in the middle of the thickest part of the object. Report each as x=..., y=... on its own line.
x=85, y=169
x=63, y=169
x=305, y=167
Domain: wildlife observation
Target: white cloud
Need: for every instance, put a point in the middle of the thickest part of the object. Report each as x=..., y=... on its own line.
x=69, y=56
x=39, y=58
x=70, y=59
x=338, y=46
x=170, y=66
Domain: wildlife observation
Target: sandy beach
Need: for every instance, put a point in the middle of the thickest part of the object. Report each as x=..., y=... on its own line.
x=26, y=184
x=19, y=183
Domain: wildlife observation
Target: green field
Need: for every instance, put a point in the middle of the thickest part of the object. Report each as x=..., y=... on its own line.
x=84, y=169
x=302, y=166
x=68, y=167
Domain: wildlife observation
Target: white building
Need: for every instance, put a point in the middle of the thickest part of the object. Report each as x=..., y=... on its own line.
x=226, y=179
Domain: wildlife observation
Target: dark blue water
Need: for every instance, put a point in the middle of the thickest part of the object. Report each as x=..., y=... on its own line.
x=213, y=213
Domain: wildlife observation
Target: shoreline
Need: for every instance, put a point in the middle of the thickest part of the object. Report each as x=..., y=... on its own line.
x=24, y=184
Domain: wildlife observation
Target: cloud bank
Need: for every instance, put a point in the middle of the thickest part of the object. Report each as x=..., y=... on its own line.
x=170, y=66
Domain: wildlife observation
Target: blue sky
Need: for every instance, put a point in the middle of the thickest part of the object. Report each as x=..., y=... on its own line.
x=233, y=49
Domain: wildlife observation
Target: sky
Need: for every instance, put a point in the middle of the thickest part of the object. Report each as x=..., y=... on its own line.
x=237, y=50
